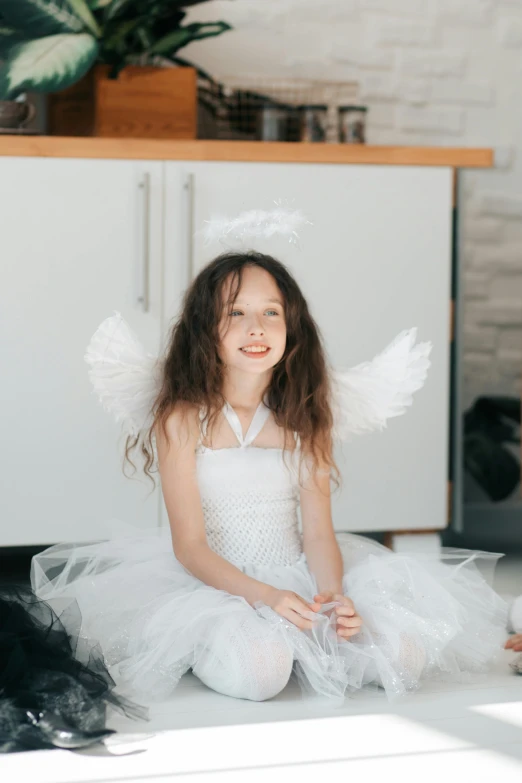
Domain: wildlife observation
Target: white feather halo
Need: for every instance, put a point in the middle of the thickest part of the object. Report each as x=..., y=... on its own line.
x=256, y=224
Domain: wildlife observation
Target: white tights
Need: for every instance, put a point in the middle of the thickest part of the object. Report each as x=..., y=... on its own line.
x=244, y=659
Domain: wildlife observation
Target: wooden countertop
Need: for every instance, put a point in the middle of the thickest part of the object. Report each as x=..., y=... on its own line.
x=244, y=151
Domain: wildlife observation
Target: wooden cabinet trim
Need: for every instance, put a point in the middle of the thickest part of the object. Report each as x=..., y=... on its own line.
x=242, y=151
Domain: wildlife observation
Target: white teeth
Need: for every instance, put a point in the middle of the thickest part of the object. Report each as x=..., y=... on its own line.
x=254, y=350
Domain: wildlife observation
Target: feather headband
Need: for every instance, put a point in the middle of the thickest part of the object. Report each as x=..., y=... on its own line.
x=256, y=224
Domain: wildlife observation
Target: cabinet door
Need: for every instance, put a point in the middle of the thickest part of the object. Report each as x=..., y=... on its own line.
x=376, y=260
x=77, y=237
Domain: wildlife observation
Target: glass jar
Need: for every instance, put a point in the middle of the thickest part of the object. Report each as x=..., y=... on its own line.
x=271, y=121
x=276, y=122
x=352, y=124
x=313, y=122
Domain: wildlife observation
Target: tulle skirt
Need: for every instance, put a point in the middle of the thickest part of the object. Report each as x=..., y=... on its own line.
x=424, y=617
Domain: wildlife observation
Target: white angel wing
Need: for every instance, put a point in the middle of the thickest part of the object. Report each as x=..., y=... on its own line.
x=367, y=395
x=125, y=378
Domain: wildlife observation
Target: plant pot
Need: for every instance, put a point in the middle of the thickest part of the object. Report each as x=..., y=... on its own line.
x=143, y=103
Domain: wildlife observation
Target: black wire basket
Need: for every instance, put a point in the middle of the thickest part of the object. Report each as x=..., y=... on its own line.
x=254, y=109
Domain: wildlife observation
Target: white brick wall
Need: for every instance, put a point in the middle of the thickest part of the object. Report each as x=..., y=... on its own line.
x=462, y=92
x=400, y=32
x=498, y=203
x=433, y=72
x=430, y=63
x=509, y=31
x=464, y=12
x=373, y=59
x=431, y=120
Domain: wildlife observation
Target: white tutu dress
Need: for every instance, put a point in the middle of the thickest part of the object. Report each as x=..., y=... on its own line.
x=422, y=617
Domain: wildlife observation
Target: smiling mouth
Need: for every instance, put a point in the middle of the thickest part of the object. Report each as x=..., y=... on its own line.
x=256, y=351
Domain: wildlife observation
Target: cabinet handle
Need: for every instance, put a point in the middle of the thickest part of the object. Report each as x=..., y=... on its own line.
x=143, y=272
x=188, y=190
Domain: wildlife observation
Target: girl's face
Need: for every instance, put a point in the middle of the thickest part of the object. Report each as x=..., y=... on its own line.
x=257, y=319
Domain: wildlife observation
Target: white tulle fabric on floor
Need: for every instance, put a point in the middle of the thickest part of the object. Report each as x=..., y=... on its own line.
x=423, y=618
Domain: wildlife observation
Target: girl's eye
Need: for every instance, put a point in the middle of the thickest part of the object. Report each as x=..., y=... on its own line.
x=268, y=311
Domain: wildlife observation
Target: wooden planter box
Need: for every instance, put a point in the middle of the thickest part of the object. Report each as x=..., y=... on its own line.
x=143, y=103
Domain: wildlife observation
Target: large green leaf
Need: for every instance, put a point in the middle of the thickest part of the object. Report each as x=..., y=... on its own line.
x=47, y=64
x=38, y=18
x=172, y=42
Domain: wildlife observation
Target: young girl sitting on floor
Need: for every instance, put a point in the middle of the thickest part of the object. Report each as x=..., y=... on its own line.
x=242, y=428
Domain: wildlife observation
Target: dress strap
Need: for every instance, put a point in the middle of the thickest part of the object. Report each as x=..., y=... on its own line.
x=256, y=425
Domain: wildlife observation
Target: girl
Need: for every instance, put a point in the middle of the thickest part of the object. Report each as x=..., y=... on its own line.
x=242, y=434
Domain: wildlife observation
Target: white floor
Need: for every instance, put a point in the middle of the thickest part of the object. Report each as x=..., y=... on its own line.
x=470, y=731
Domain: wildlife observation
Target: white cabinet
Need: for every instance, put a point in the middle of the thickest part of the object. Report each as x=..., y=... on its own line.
x=73, y=250
x=78, y=240
x=376, y=260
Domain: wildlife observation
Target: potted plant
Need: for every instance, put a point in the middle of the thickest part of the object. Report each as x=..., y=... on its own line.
x=98, y=60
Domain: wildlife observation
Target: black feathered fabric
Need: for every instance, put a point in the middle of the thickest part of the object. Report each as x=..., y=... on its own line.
x=54, y=686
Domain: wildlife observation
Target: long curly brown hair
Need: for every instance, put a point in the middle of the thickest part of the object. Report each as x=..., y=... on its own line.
x=299, y=391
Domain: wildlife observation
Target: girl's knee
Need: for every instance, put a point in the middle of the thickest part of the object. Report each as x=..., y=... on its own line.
x=247, y=661
x=260, y=675
x=273, y=677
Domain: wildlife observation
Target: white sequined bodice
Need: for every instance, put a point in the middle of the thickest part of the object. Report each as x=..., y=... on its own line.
x=250, y=498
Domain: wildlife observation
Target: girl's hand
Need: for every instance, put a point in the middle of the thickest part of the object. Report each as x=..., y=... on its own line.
x=514, y=643
x=348, y=621
x=292, y=607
